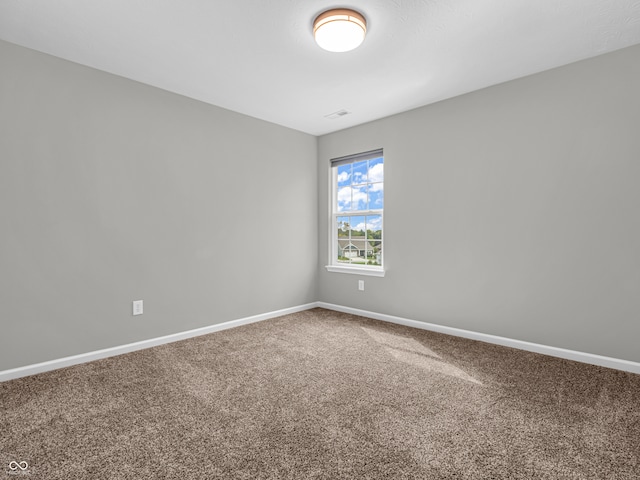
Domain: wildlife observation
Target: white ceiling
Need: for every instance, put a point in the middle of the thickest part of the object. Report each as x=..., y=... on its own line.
x=258, y=57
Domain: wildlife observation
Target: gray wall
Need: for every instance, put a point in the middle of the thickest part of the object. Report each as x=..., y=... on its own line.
x=511, y=211
x=112, y=191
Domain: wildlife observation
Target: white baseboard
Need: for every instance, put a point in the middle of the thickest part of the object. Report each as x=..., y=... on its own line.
x=132, y=347
x=626, y=365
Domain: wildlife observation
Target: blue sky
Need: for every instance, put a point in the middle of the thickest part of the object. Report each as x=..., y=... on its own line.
x=360, y=187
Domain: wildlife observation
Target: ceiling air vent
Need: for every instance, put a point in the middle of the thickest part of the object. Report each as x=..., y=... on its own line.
x=338, y=114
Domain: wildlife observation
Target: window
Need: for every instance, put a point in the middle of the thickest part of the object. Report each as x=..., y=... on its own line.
x=357, y=214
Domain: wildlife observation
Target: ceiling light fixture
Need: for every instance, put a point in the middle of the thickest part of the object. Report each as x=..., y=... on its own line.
x=339, y=30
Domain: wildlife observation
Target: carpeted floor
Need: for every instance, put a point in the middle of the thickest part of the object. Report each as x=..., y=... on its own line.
x=323, y=395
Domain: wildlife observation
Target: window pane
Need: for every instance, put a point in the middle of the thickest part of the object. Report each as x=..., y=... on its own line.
x=344, y=199
x=359, y=173
x=345, y=248
x=344, y=251
x=358, y=226
x=374, y=226
x=343, y=227
x=376, y=196
x=359, y=198
x=376, y=255
x=344, y=175
x=374, y=237
x=376, y=170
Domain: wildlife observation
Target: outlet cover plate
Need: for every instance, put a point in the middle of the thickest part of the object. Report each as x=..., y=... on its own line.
x=137, y=307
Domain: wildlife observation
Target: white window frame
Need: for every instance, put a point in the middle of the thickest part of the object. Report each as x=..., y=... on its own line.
x=333, y=265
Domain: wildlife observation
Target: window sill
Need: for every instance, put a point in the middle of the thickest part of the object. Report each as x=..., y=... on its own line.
x=371, y=272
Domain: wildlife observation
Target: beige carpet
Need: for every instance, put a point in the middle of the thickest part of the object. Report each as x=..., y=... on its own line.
x=326, y=395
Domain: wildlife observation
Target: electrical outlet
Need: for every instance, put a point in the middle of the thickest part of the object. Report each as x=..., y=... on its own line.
x=137, y=307
x=361, y=285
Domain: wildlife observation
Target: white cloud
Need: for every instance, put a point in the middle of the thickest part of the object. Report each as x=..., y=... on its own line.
x=346, y=195
x=343, y=177
x=359, y=226
x=358, y=177
x=376, y=173
x=373, y=223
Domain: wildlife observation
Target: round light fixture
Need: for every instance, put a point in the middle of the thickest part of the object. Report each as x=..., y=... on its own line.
x=339, y=30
